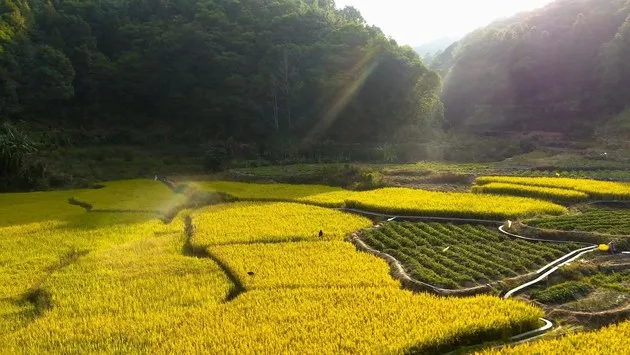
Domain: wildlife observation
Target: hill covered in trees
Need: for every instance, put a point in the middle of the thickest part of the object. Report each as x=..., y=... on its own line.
x=291, y=80
x=562, y=68
x=189, y=71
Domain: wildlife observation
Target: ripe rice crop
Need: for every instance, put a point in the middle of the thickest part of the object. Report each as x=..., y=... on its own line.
x=449, y=204
x=30, y=252
x=306, y=321
x=601, y=220
x=78, y=282
x=610, y=340
x=140, y=194
x=20, y=209
x=126, y=278
x=395, y=200
x=545, y=193
x=459, y=256
x=600, y=190
x=250, y=222
x=330, y=199
x=312, y=264
x=265, y=192
x=319, y=195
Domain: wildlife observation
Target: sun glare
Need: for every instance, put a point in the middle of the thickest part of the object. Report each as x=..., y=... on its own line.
x=415, y=22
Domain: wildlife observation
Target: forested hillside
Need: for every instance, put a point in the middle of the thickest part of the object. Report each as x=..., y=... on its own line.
x=562, y=68
x=186, y=71
x=89, y=86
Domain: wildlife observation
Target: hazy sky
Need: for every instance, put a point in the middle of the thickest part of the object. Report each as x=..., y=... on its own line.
x=416, y=22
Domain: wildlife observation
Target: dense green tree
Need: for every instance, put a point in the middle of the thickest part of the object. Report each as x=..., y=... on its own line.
x=212, y=70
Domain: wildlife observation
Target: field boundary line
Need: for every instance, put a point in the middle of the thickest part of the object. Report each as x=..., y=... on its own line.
x=421, y=218
x=604, y=202
x=576, y=233
x=532, y=334
x=37, y=295
x=600, y=318
x=502, y=230
x=191, y=250
x=562, y=258
x=546, y=274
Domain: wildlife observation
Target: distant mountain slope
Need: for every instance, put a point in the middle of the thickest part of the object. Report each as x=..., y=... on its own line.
x=560, y=68
x=435, y=46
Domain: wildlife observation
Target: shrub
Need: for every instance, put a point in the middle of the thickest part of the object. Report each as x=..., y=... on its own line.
x=15, y=148
x=564, y=292
x=215, y=159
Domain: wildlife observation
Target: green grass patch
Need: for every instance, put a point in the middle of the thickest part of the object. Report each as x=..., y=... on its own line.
x=563, y=293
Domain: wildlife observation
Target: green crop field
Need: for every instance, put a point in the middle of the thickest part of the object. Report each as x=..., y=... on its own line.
x=601, y=220
x=457, y=256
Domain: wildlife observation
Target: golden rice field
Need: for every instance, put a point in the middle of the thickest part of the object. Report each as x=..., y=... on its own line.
x=611, y=340
x=545, y=193
x=132, y=195
x=396, y=200
x=32, y=251
x=600, y=190
x=78, y=282
x=451, y=204
x=265, y=192
x=252, y=222
x=319, y=195
x=113, y=282
x=314, y=264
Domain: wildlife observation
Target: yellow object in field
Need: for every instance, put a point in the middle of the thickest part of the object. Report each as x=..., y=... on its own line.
x=604, y=247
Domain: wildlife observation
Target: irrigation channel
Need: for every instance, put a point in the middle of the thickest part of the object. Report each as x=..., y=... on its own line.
x=553, y=266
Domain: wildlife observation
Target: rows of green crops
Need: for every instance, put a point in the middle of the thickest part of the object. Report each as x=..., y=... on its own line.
x=602, y=220
x=457, y=256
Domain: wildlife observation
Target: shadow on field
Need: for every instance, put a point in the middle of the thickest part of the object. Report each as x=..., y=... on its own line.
x=38, y=295
x=193, y=251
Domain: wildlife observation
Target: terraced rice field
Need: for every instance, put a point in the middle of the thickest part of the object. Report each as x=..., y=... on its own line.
x=79, y=282
x=611, y=340
x=595, y=189
x=545, y=193
x=459, y=256
x=601, y=220
x=402, y=201
x=274, y=274
x=254, y=222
